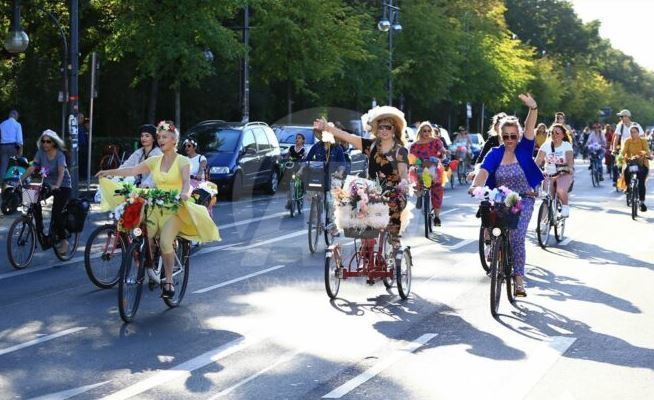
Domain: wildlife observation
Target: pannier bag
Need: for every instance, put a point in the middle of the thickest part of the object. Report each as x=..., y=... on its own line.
x=314, y=176
x=75, y=214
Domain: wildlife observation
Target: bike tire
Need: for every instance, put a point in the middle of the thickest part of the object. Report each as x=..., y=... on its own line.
x=496, y=278
x=543, y=224
x=332, y=281
x=181, y=271
x=508, y=271
x=390, y=265
x=403, y=273
x=460, y=172
x=313, y=226
x=634, y=202
x=73, y=243
x=559, y=226
x=593, y=178
x=291, y=206
x=482, y=249
x=101, y=272
x=26, y=240
x=130, y=284
x=426, y=211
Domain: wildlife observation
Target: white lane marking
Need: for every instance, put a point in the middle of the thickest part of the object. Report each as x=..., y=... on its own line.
x=461, y=244
x=565, y=242
x=448, y=211
x=67, y=394
x=213, y=249
x=248, y=221
x=379, y=367
x=277, y=239
x=185, y=369
x=242, y=278
x=41, y=340
x=42, y=268
x=286, y=357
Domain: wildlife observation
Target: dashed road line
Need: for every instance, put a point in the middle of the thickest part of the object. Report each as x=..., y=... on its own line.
x=235, y=280
x=41, y=340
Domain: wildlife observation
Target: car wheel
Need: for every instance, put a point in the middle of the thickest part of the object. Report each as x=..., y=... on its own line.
x=237, y=186
x=273, y=183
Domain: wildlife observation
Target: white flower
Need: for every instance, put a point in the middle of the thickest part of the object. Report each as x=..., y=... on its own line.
x=160, y=202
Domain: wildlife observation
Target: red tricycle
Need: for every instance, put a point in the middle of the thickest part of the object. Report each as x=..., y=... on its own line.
x=373, y=258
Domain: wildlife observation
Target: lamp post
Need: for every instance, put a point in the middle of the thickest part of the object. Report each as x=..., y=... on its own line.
x=17, y=40
x=390, y=22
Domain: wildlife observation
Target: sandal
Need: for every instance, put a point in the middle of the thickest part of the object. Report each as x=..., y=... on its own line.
x=519, y=290
x=167, y=291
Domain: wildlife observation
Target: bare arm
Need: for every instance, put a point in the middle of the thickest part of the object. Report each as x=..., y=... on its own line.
x=480, y=179
x=540, y=158
x=203, y=168
x=530, y=123
x=570, y=160
x=28, y=172
x=186, y=182
x=141, y=168
x=354, y=140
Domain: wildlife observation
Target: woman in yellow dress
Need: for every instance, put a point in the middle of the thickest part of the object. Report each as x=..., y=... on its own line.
x=170, y=171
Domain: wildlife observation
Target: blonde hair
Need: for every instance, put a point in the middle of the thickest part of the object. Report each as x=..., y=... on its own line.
x=541, y=125
x=496, y=118
x=427, y=124
x=509, y=120
x=168, y=127
x=399, y=136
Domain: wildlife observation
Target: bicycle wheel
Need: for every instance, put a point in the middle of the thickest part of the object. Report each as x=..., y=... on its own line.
x=543, y=225
x=130, y=284
x=21, y=242
x=460, y=172
x=313, y=226
x=634, y=202
x=332, y=280
x=403, y=273
x=559, y=226
x=593, y=177
x=327, y=232
x=104, y=270
x=291, y=203
x=73, y=241
x=390, y=265
x=496, y=277
x=484, y=243
x=507, y=271
x=426, y=211
x=180, y=272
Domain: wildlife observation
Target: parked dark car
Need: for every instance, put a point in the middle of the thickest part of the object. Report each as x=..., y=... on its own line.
x=286, y=137
x=239, y=155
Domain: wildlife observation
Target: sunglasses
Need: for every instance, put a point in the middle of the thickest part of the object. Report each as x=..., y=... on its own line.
x=188, y=145
x=385, y=127
x=512, y=137
x=46, y=141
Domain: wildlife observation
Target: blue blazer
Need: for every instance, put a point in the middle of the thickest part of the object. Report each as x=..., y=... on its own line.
x=524, y=152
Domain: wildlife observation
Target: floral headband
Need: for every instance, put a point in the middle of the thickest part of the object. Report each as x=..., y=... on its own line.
x=166, y=126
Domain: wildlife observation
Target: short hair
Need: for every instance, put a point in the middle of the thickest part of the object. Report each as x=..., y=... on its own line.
x=509, y=120
x=559, y=113
x=13, y=114
x=168, y=126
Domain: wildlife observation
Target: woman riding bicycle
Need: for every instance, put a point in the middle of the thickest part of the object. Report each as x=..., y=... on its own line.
x=636, y=149
x=198, y=162
x=512, y=165
x=171, y=171
x=596, y=144
x=148, y=149
x=426, y=147
x=387, y=159
x=558, y=156
x=51, y=160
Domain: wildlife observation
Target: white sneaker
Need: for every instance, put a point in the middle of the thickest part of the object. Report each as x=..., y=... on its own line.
x=565, y=211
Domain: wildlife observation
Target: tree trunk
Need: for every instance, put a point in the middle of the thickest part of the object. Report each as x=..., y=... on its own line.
x=152, y=101
x=178, y=108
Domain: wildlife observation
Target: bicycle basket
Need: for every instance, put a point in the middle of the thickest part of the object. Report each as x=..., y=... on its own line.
x=31, y=194
x=314, y=176
x=633, y=168
x=357, y=233
x=498, y=216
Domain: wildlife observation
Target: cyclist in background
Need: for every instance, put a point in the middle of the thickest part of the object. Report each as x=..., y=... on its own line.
x=149, y=148
x=595, y=144
x=557, y=155
x=636, y=148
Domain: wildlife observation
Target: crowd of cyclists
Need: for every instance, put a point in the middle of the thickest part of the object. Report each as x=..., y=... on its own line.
x=512, y=156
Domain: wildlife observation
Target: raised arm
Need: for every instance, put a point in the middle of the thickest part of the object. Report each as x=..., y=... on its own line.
x=530, y=123
x=322, y=125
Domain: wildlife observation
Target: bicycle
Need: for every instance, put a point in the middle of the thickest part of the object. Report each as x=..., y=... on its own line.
x=499, y=220
x=596, y=170
x=295, y=190
x=111, y=245
x=141, y=258
x=366, y=261
x=549, y=214
x=314, y=177
x=28, y=228
x=110, y=159
x=633, y=200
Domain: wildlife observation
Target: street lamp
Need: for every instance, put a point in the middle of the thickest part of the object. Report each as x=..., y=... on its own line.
x=17, y=40
x=390, y=22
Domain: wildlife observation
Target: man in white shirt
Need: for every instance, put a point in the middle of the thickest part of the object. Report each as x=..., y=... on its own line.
x=622, y=128
x=11, y=141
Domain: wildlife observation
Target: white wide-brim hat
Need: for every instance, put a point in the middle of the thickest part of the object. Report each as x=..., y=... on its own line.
x=384, y=112
x=52, y=135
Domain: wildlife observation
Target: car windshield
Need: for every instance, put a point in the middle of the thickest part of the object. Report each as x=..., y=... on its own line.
x=287, y=135
x=211, y=138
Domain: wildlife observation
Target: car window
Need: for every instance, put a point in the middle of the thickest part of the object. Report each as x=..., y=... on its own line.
x=248, y=141
x=210, y=138
x=262, y=140
x=272, y=139
x=287, y=135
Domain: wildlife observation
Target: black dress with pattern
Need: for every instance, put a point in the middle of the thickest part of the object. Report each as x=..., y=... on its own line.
x=384, y=168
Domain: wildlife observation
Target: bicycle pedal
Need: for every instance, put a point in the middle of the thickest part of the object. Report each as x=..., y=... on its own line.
x=370, y=282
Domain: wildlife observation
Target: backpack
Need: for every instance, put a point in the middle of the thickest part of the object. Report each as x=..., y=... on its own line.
x=75, y=214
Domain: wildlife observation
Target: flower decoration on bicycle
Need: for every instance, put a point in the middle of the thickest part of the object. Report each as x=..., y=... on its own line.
x=500, y=207
x=131, y=213
x=360, y=206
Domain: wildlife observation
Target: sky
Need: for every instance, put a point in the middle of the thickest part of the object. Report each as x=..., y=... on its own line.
x=625, y=23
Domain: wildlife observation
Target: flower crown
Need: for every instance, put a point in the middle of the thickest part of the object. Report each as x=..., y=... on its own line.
x=166, y=126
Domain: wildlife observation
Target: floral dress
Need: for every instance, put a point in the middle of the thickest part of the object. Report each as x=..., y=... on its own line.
x=383, y=167
x=433, y=148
